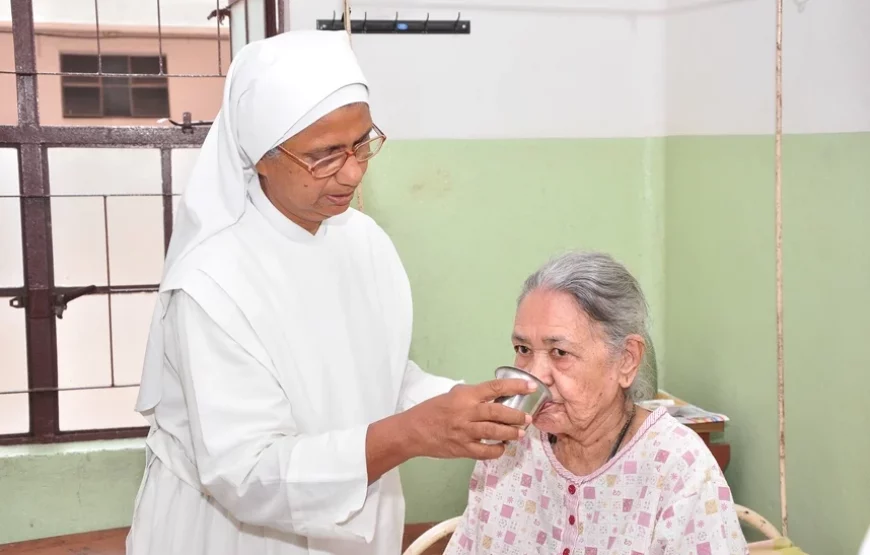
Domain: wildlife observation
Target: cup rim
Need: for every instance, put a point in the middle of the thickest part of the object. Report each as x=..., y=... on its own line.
x=541, y=385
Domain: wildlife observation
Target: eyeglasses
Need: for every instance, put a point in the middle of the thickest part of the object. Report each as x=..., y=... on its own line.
x=332, y=164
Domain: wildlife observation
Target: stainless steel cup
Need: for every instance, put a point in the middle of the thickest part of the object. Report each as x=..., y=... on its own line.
x=530, y=403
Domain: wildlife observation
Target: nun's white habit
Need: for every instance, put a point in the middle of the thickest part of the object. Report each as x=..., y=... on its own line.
x=272, y=349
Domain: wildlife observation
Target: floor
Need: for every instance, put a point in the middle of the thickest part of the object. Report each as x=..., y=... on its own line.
x=111, y=542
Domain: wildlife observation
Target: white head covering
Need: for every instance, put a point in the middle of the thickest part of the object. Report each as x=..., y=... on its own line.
x=274, y=89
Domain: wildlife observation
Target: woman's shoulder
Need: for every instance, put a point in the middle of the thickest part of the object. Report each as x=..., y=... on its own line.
x=672, y=436
x=521, y=458
x=683, y=456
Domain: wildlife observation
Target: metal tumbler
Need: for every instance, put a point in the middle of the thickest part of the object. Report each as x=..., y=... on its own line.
x=530, y=403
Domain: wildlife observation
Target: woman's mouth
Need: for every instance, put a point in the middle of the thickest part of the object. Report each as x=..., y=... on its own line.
x=549, y=405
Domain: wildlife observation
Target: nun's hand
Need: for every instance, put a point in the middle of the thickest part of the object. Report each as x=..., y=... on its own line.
x=452, y=425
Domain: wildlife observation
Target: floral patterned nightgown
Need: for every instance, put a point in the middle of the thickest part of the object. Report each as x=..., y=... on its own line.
x=663, y=494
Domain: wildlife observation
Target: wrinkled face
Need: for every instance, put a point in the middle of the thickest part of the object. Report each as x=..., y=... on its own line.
x=558, y=343
x=301, y=197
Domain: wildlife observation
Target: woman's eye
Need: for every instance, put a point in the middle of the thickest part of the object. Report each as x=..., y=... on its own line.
x=521, y=349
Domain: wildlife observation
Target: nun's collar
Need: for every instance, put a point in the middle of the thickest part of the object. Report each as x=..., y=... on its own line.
x=281, y=223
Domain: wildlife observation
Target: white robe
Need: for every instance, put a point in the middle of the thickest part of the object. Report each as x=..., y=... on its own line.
x=279, y=352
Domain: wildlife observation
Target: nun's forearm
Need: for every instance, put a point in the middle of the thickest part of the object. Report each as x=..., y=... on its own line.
x=387, y=445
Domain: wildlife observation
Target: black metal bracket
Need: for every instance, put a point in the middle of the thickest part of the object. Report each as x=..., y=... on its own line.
x=398, y=26
x=59, y=299
x=187, y=125
x=221, y=14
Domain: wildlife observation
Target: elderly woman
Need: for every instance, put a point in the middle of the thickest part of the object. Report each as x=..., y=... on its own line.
x=595, y=474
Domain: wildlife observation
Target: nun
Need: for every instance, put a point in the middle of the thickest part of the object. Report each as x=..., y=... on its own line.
x=276, y=379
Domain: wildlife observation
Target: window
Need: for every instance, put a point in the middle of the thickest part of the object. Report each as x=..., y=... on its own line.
x=87, y=211
x=96, y=96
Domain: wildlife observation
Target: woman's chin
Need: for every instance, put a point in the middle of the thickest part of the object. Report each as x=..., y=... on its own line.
x=547, y=423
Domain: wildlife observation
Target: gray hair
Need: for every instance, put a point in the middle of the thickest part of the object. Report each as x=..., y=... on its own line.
x=607, y=292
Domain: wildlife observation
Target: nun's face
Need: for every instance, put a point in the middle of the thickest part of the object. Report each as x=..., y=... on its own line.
x=303, y=198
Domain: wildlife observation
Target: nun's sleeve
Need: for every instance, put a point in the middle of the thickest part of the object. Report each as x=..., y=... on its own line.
x=865, y=547
x=246, y=452
x=419, y=386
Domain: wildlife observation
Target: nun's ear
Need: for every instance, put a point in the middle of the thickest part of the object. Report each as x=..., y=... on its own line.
x=261, y=175
x=258, y=167
x=270, y=155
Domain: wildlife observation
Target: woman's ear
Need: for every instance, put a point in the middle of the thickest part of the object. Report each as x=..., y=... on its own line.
x=632, y=356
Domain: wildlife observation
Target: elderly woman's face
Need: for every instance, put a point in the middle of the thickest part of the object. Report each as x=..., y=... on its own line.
x=294, y=191
x=558, y=343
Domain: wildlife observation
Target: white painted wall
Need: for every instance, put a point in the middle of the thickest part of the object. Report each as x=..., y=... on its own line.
x=520, y=73
x=719, y=68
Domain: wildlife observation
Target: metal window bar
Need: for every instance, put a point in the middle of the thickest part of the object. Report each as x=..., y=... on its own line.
x=217, y=7
x=109, y=283
x=97, y=25
x=160, y=40
x=100, y=74
x=32, y=140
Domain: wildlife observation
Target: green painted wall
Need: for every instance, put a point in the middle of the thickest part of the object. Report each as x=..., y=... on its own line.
x=720, y=329
x=50, y=490
x=471, y=219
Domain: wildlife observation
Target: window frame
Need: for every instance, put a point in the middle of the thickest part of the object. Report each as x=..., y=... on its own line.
x=98, y=82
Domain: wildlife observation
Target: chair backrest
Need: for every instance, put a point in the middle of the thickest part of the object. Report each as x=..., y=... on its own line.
x=755, y=520
x=432, y=535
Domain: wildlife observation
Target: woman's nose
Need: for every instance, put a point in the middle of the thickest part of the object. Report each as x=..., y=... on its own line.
x=539, y=367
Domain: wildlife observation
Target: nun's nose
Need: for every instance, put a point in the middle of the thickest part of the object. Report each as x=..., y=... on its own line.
x=352, y=172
